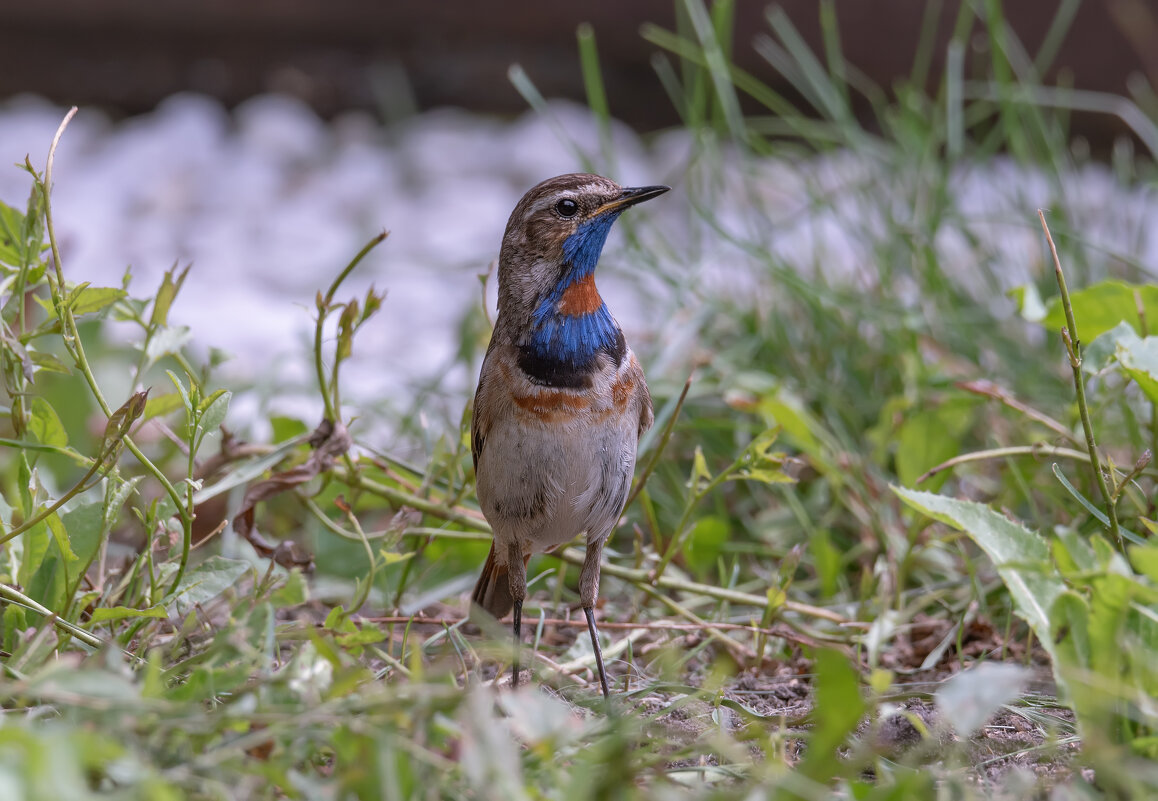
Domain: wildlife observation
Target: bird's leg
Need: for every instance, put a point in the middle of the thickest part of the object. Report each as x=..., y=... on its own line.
x=517, y=576
x=588, y=590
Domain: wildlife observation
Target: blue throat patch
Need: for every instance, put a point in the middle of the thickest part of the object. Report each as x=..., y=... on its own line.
x=575, y=339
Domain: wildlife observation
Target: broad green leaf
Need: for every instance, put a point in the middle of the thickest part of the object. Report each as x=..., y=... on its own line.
x=105, y=613
x=1144, y=558
x=94, y=683
x=166, y=340
x=1071, y=629
x=973, y=696
x=706, y=541
x=1102, y=306
x=49, y=584
x=1029, y=303
x=291, y=592
x=85, y=524
x=1021, y=556
x=797, y=424
x=45, y=424
x=94, y=298
x=1072, y=552
x=364, y=636
x=161, y=405
x=206, y=581
x=11, y=236
x=36, y=541
x=838, y=709
x=60, y=536
x=46, y=361
x=1139, y=358
x=116, y=493
x=1099, y=354
x=287, y=427
x=213, y=410
x=13, y=622
x=928, y=437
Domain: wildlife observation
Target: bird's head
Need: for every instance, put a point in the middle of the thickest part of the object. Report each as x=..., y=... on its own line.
x=553, y=241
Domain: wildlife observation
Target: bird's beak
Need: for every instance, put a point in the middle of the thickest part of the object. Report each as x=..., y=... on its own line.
x=632, y=195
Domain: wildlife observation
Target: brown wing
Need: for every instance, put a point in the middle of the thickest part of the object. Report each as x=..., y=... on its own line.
x=646, y=413
x=481, y=417
x=477, y=432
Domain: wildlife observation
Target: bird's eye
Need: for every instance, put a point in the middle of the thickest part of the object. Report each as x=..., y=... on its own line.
x=567, y=207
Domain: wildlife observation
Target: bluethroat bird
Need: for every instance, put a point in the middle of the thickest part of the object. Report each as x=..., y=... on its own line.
x=561, y=400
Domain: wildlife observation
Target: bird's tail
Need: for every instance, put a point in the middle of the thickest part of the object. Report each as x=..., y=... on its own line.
x=493, y=590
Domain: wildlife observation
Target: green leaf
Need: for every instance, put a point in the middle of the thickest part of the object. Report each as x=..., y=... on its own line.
x=85, y=524
x=1097, y=513
x=364, y=636
x=700, y=472
x=347, y=323
x=971, y=697
x=164, y=341
x=11, y=238
x=14, y=622
x=166, y=293
x=1021, y=556
x=929, y=437
x=291, y=592
x=116, y=493
x=46, y=361
x=1102, y=306
x=760, y=465
x=838, y=710
x=706, y=541
x=161, y=405
x=1099, y=354
x=1144, y=558
x=287, y=427
x=45, y=424
x=213, y=410
x=1071, y=629
x=60, y=537
x=93, y=299
x=393, y=557
x=186, y=401
x=798, y=425
x=206, y=581
x=1139, y=358
x=36, y=541
x=105, y=613
x=1029, y=302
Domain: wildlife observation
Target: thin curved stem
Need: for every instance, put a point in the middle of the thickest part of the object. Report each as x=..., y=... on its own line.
x=72, y=342
x=1074, y=349
x=324, y=302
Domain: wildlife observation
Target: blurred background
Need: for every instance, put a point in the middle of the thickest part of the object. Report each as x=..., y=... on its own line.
x=398, y=58
x=264, y=142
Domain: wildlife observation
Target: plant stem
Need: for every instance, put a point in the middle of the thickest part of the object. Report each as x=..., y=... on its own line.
x=72, y=342
x=1003, y=453
x=641, y=577
x=18, y=598
x=324, y=302
x=1144, y=326
x=1074, y=349
x=77, y=488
